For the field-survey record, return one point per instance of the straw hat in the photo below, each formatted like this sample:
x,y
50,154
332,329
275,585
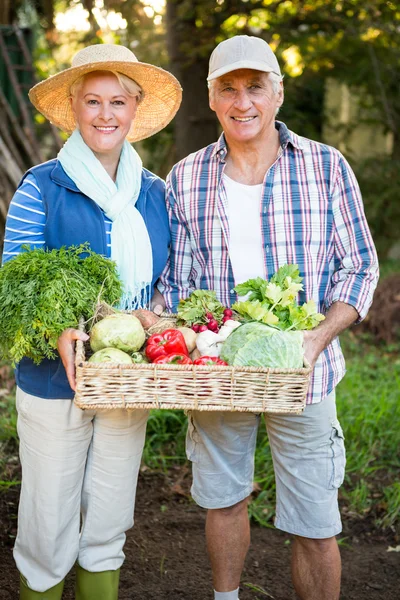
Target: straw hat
x,y
162,92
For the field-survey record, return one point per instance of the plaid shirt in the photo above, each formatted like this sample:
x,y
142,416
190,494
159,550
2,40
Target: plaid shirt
x,y
311,214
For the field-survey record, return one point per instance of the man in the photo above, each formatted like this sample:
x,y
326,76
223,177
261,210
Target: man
x,y
258,198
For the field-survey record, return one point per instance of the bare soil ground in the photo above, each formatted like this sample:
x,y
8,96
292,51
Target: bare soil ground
x,y
166,555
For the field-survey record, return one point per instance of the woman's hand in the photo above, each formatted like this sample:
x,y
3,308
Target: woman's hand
x,y
66,350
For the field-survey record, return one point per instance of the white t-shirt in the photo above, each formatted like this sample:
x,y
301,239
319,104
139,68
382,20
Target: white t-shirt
x,y
245,242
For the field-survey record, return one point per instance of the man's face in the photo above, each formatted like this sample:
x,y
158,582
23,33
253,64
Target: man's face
x,y
245,104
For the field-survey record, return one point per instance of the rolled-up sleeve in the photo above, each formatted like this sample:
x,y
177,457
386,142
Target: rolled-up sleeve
x,y
356,263
176,281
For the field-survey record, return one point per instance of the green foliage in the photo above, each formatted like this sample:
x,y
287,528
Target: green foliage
x,y
8,419
165,439
358,497
391,499
8,441
379,180
274,302
193,310
44,292
368,407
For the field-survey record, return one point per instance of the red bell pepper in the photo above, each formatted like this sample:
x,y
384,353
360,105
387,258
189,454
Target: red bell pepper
x,y
209,360
173,359
170,341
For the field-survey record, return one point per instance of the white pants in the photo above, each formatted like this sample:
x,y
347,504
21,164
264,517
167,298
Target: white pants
x,y
74,463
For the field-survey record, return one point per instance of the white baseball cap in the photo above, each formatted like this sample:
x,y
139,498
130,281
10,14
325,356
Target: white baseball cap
x,y
242,52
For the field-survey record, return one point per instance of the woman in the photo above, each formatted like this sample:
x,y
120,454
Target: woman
x,y
82,464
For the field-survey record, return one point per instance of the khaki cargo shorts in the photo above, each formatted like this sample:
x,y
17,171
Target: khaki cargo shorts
x,y
308,456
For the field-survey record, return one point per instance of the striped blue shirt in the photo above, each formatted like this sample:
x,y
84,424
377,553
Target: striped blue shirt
x,y
26,220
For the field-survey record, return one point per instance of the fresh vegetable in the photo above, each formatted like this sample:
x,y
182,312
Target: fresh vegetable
x,y
258,345
44,292
173,359
110,355
190,337
227,328
120,330
170,341
209,343
209,360
274,302
201,311
195,354
138,358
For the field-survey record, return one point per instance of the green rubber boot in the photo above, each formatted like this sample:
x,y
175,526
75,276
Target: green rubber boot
x,y
54,593
96,586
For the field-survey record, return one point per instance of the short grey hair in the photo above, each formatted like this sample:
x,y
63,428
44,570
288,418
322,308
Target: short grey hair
x,y
130,86
276,80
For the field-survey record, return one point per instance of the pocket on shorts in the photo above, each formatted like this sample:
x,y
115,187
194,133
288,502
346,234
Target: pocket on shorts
x,y
24,402
192,441
338,456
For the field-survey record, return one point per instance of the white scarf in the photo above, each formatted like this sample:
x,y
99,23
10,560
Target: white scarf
x,y
130,242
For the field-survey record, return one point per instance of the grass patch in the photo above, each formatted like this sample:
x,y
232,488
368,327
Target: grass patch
x,y
8,420
8,441
369,410
165,439
391,504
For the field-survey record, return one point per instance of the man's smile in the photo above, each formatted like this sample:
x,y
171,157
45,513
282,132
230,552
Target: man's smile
x,y
243,119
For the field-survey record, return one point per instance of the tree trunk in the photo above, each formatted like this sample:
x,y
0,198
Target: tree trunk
x,y
7,12
195,124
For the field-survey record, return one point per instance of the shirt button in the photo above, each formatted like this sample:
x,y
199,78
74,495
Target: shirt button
x,y
232,291
266,249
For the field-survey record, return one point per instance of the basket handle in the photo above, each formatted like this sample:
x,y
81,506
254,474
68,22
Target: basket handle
x,y
79,347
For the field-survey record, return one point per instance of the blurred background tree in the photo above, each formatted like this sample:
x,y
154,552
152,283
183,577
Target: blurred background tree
x,y
340,58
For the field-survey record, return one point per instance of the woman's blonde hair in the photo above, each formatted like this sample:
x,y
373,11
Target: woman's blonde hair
x,y
129,85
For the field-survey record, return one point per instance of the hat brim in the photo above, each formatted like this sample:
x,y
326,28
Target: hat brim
x,y
242,64
162,96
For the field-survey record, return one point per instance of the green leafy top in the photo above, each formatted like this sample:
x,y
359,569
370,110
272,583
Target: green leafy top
x,y
193,310
274,302
43,292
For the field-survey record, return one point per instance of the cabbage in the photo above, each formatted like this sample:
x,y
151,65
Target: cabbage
x,y
258,345
121,331
111,355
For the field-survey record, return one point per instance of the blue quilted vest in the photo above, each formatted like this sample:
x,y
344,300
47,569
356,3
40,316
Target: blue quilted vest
x,y
72,219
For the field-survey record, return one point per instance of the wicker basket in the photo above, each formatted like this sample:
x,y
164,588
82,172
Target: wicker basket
x,y
189,387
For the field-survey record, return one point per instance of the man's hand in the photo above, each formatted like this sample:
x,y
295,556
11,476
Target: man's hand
x,y
66,350
313,346
157,302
